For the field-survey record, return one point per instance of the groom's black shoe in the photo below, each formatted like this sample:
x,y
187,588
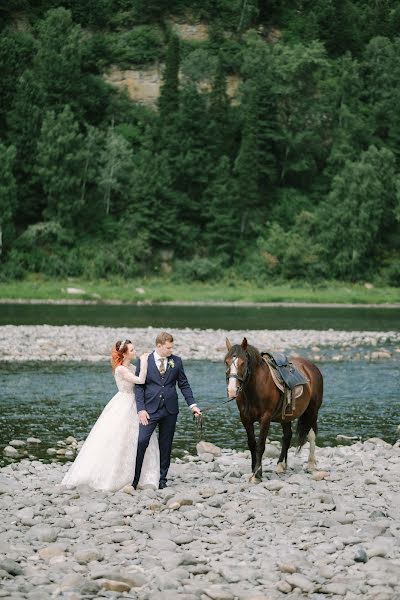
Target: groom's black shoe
x,y
162,485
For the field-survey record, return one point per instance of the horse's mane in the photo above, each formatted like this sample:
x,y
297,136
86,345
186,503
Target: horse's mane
x,y
251,353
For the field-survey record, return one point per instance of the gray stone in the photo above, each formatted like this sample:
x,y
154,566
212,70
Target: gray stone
x,y
133,579
10,451
11,567
284,587
86,555
208,448
217,592
17,443
339,589
52,551
300,581
360,555
43,533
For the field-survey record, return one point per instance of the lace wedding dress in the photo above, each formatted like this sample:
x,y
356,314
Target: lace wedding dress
x,y
107,459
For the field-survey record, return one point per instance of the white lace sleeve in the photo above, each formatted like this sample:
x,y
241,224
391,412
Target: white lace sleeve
x,y
127,374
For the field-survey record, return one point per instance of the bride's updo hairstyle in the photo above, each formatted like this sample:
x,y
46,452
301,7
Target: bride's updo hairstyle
x,y
117,353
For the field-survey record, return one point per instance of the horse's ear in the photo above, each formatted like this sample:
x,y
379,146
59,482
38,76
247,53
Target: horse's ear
x,y
228,344
244,344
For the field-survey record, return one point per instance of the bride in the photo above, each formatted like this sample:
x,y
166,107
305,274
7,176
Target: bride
x,y
107,459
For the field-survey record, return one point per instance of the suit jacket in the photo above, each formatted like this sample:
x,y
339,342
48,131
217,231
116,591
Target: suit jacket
x,y
159,390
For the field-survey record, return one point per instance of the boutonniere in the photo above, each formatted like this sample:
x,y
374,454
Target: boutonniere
x,y
171,363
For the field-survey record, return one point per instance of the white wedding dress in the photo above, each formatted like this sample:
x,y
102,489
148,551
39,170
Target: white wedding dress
x,y
107,459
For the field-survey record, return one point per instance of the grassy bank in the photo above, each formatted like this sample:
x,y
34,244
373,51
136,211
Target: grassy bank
x,y
159,290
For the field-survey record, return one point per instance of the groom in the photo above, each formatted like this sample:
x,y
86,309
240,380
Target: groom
x,y
157,403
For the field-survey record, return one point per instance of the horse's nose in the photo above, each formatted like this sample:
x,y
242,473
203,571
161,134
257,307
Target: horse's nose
x,y
232,391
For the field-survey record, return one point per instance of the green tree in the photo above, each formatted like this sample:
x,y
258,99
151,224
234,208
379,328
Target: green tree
x,y
24,124
381,72
16,52
153,206
188,145
220,114
60,166
248,14
116,167
340,26
58,61
168,101
359,213
350,123
150,10
222,215
7,189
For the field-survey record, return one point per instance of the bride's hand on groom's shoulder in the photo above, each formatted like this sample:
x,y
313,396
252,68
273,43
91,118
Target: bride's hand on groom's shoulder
x,y
144,357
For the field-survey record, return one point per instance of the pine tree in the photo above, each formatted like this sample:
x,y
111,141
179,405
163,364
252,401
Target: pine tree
x,y
168,101
222,214
219,111
7,189
60,166
24,124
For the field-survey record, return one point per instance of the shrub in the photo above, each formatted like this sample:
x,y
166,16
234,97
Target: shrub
x,y
198,269
140,46
392,274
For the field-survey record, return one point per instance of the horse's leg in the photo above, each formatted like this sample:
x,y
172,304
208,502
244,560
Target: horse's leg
x,y
312,465
264,427
251,441
286,439
309,429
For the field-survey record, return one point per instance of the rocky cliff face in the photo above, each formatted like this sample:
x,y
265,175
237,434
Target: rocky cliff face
x,y
143,85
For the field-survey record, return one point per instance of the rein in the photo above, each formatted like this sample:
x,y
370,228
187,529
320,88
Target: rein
x,y
198,420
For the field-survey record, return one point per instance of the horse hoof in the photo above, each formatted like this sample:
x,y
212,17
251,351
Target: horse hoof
x,y
280,468
311,467
254,479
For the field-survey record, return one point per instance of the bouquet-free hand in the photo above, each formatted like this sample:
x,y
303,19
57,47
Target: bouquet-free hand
x,y
143,417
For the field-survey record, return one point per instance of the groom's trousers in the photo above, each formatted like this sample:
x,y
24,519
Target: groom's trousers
x,y
166,428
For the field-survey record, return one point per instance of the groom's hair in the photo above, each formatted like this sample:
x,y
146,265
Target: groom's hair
x,y
163,337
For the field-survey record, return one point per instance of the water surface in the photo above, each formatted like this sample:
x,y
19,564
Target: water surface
x,y
52,401
204,317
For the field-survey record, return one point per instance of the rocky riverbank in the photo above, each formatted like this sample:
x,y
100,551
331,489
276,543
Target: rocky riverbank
x,y
211,534
77,343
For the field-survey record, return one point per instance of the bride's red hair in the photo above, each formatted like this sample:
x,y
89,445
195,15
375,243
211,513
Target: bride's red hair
x,y
117,353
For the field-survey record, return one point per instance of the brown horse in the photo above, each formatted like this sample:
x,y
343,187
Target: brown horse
x,y
250,382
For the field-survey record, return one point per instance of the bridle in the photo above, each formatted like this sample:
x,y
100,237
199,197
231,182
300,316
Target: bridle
x,y
199,419
241,378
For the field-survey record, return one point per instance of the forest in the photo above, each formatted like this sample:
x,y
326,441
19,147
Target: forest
x,y
293,176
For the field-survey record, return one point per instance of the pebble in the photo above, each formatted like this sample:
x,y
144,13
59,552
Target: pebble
x,y
207,536
68,342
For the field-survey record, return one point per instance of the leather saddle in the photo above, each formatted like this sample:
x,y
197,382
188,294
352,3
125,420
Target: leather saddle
x,y
287,371
287,378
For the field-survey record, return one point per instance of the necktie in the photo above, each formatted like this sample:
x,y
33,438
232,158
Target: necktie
x,y
162,367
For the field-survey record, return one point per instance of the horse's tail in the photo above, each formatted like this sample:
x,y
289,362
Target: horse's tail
x,y
308,420
304,425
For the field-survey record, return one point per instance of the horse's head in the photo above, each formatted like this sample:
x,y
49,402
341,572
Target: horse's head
x,y
237,367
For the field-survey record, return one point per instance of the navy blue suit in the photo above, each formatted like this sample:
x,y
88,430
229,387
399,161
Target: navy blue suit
x,y
158,396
